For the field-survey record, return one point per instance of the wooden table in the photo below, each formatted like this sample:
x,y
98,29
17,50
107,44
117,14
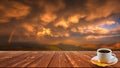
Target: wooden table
x,y
49,58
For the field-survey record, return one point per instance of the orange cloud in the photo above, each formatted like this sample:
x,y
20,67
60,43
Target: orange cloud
x,y
45,31
28,27
93,30
13,9
17,10
62,23
74,30
48,17
50,10
110,22
74,19
95,9
60,35
51,6
101,30
67,35
93,37
106,22
100,36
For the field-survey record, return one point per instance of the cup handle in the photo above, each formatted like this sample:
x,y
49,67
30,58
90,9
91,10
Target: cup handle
x,y
113,55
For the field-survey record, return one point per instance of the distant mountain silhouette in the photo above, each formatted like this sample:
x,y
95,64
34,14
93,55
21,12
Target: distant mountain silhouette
x,y
23,46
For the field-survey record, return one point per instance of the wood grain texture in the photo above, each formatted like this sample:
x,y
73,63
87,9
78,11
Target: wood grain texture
x,y
49,58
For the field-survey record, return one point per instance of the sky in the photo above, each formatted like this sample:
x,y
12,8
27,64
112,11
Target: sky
x,y
75,22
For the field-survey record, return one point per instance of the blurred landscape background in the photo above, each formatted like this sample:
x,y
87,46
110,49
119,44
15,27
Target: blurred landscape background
x,y
47,25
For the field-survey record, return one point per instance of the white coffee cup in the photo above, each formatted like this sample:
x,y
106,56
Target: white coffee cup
x,y
105,55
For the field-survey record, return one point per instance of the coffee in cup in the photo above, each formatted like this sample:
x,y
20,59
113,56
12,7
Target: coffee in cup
x,y
104,51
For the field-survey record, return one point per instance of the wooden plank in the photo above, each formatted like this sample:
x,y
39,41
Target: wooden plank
x,y
29,58
8,54
44,60
74,60
68,62
55,60
18,56
38,57
85,58
60,60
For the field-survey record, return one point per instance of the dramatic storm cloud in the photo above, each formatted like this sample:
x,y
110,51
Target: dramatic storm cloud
x,y
60,21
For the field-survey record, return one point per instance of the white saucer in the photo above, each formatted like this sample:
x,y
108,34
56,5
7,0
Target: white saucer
x,y
94,60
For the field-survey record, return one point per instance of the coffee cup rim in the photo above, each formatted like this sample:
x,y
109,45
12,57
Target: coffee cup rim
x,y
104,49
